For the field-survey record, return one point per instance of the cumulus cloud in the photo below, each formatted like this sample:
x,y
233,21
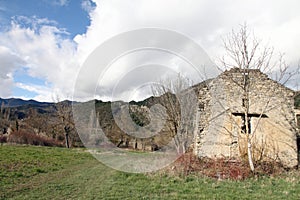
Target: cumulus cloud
x,y
9,62
49,54
45,53
203,21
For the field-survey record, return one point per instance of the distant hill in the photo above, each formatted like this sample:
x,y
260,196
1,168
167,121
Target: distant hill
x,y
13,102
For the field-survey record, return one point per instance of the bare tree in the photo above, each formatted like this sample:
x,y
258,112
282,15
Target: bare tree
x,y
64,113
38,121
245,52
5,114
180,103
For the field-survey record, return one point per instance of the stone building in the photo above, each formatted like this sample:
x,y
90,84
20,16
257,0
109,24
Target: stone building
x,y
221,118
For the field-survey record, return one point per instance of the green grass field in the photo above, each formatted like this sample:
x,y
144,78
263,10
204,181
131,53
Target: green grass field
x,y
28,172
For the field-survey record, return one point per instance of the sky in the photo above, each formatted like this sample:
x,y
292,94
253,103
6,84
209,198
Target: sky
x,y
45,45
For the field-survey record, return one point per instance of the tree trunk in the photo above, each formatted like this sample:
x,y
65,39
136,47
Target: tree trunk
x,y
67,140
17,125
250,155
183,148
67,131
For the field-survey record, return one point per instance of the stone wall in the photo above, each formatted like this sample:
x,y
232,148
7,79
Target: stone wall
x,y
272,122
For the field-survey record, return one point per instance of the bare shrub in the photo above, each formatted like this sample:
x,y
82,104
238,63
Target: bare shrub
x,y
3,139
221,168
22,137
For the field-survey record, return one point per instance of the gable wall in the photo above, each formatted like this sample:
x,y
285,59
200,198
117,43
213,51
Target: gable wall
x,y
274,137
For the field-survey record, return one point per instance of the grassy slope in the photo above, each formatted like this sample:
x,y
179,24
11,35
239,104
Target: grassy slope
x,y
57,173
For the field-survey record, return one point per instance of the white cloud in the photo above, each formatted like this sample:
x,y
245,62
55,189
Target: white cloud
x,y
59,2
203,21
33,20
45,53
45,94
87,5
9,62
55,59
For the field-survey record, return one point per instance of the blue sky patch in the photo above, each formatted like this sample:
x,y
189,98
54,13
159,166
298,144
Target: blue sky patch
x,y
70,15
21,76
19,92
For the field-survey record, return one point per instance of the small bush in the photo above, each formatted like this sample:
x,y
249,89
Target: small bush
x,y
22,137
3,138
221,168
270,168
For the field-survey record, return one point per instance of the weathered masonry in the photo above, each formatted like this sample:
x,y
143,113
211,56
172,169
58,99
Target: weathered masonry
x,y
222,118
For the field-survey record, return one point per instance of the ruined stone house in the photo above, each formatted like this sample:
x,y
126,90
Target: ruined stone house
x,y
221,118
220,121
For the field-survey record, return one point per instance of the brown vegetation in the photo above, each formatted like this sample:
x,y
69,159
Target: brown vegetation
x,y
22,137
221,168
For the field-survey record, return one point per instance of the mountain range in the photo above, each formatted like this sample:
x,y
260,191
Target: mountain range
x,y
15,102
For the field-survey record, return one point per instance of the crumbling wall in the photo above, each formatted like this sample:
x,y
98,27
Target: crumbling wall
x,y
272,123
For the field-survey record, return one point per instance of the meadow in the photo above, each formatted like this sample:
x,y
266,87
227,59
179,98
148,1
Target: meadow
x,y
34,172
